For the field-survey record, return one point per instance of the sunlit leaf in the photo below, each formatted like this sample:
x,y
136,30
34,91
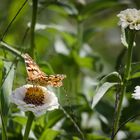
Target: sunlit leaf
x,y
133,126
49,134
20,119
101,91
76,138
96,137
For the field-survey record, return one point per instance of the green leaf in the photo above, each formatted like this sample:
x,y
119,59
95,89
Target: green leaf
x,y
86,62
1,68
96,137
133,126
112,77
97,6
54,117
136,75
76,138
7,83
69,38
101,91
6,89
49,134
20,120
105,84
58,9
135,70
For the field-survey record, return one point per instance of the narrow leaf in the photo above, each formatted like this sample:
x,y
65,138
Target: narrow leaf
x,y
6,89
112,77
101,91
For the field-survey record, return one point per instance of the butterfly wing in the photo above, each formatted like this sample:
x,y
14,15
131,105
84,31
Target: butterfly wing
x,y
32,68
55,80
36,76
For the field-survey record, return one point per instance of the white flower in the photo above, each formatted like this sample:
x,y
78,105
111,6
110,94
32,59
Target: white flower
x,y
36,99
130,18
136,94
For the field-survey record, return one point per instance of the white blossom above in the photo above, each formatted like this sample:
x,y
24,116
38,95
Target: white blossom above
x,y
136,94
130,18
36,99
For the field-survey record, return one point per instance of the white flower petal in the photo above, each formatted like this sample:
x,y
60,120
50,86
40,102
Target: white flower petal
x,y
124,24
136,94
130,18
50,101
137,89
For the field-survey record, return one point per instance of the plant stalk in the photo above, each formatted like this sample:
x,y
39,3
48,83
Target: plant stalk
x,y
125,80
6,46
4,130
33,22
28,125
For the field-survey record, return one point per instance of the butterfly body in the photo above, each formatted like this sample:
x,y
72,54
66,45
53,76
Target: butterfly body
x,y
38,77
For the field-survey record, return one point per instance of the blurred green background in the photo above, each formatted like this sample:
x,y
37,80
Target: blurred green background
x,y
79,38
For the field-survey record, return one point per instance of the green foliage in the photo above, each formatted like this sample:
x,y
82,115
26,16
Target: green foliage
x,y
79,38
101,91
6,89
49,134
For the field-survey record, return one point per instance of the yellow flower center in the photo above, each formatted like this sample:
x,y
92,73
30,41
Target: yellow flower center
x,y
34,95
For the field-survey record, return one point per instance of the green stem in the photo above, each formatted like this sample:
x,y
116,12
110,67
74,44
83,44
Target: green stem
x,y
125,79
4,131
28,125
33,22
5,46
9,25
129,55
3,118
75,124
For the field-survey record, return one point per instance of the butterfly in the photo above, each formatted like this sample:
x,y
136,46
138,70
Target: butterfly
x,y
38,77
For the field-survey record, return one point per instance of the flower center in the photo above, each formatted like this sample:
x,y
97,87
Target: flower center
x,y
34,95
